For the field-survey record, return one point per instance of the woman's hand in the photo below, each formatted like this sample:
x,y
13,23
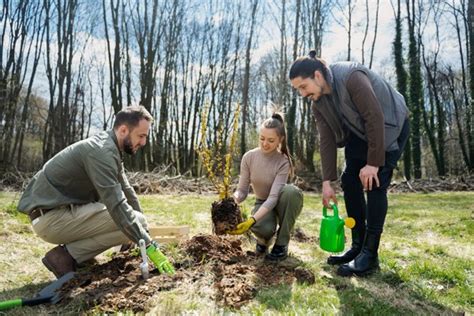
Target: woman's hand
x,y
243,227
236,197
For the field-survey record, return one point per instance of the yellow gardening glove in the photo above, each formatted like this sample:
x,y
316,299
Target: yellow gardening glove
x,y
243,227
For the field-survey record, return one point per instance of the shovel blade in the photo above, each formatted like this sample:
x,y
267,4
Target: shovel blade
x,y
46,295
51,289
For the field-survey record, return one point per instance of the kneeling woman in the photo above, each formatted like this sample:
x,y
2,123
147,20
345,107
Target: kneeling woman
x,y
278,204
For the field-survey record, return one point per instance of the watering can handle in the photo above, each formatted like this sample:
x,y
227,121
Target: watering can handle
x,y
334,208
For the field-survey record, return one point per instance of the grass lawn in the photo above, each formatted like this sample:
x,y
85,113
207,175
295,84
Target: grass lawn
x,y
426,255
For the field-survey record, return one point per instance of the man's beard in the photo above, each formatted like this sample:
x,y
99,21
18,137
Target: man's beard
x,y
127,146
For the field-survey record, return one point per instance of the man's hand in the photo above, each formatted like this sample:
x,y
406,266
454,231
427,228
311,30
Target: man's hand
x,y
243,227
328,194
159,259
367,176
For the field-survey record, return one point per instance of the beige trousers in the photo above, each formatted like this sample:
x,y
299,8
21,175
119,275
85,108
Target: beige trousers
x,y
86,230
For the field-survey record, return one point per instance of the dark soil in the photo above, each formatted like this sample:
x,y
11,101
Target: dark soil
x,y
209,247
117,285
236,276
300,235
304,276
225,215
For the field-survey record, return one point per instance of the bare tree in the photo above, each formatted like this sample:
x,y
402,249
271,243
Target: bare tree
x,y
22,36
291,115
61,18
366,30
402,82
245,89
170,42
463,19
435,119
375,33
346,9
415,88
114,57
149,28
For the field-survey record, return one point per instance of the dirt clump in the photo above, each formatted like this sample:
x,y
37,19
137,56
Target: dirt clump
x,y
300,235
304,276
204,248
225,215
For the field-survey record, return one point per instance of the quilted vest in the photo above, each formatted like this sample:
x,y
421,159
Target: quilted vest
x,y
393,104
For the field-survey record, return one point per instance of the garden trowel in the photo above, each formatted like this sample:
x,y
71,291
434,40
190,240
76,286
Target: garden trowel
x,y
46,295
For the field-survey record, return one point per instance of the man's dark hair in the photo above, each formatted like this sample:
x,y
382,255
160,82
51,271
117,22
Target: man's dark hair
x,y
131,116
305,66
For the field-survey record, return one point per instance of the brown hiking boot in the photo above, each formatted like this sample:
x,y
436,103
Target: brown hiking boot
x,y
59,261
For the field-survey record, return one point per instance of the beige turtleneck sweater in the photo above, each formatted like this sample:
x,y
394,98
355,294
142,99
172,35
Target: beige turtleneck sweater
x,y
267,173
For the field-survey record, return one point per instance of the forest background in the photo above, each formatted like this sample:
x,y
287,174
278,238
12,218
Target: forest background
x,y
67,66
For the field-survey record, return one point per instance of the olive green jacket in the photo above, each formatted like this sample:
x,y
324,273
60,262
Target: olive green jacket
x,y
88,171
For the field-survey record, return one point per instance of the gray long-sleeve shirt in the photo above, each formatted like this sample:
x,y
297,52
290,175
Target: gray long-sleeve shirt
x,y
88,171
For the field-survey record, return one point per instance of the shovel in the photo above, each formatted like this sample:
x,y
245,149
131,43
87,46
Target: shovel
x,y
46,295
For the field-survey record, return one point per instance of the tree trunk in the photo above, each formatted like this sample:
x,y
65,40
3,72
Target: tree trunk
x,y
375,34
291,115
470,105
402,83
416,88
246,83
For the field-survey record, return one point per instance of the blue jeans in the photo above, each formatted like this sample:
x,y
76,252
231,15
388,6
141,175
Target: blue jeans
x,y
369,214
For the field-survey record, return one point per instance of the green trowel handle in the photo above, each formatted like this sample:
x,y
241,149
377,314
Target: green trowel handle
x,y
334,208
22,302
10,304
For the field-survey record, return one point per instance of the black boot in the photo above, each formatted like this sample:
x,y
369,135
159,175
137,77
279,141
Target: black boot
x,y
366,262
357,241
278,253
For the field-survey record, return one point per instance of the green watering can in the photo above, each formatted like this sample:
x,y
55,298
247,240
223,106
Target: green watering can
x,y
331,234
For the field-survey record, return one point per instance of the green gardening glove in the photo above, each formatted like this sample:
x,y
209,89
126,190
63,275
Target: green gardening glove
x,y
159,259
243,227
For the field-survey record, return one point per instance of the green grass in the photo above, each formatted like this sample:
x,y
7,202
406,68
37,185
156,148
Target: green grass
x,y
426,259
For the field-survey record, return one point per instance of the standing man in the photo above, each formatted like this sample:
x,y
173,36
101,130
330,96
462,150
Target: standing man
x,y
357,109
82,199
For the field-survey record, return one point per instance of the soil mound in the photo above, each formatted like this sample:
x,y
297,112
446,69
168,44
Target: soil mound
x,y
204,248
236,276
